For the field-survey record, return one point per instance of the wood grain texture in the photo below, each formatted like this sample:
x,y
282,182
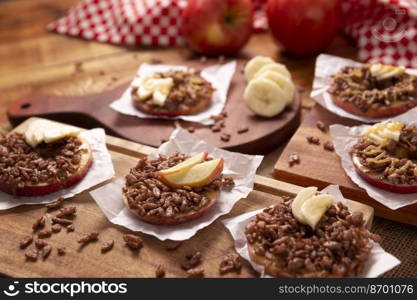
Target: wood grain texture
x,y
214,241
264,135
321,168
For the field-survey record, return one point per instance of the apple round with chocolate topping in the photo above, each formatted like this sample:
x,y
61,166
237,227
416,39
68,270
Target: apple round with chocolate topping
x,y
173,189
376,91
172,93
385,156
338,246
44,169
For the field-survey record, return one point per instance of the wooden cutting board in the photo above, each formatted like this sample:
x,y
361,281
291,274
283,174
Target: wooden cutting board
x,y
214,241
320,167
88,111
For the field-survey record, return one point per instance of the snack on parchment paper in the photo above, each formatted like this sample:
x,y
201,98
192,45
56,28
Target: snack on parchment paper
x,y
374,90
44,159
310,235
173,189
172,93
385,156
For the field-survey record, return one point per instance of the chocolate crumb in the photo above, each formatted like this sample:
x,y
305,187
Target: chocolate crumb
x,y
61,221
328,146
40,244
39,223
195,273
225,137
26,241
160,271
217,118
61,251
294,159
45,233
191,129
56,228
70,228
107,246
242,129
320,125
134,242
193,260
313,140
230,263
88,238
67,212
55,205
46,251
215,128
32,255
228,181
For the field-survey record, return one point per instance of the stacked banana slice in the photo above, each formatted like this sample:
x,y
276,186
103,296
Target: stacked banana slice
x,y
308,207
270,88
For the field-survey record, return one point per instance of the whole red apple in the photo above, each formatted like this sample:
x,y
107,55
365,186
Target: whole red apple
x,y
217,27
303,27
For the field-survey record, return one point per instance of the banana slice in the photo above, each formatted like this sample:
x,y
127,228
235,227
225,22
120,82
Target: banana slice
x,y
299,200
264,97
315,207
48,132
382,72
254,65
275,67
286,84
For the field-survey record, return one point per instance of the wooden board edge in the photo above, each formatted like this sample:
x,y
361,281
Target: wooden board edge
x,y
262,184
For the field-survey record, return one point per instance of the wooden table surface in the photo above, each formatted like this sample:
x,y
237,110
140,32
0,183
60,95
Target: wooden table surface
x,y
34,60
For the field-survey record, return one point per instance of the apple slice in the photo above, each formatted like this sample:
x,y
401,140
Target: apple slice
x,y
197,176
186,164
374,179
381,112
51,187
315,207
299,200
180,217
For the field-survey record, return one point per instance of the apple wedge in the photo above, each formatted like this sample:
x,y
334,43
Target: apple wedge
x,y
185,165
375,179
197,176
51,187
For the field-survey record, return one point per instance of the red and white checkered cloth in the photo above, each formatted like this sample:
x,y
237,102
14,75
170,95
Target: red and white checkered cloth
x,y
133,22
385,30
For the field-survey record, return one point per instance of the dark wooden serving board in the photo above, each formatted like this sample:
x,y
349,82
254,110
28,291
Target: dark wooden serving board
x,y
93,110
213,241
320,167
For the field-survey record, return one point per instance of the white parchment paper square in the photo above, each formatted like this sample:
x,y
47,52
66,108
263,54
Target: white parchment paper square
x,y
101,170
378,263
239,166
219,76
326,66
344,138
